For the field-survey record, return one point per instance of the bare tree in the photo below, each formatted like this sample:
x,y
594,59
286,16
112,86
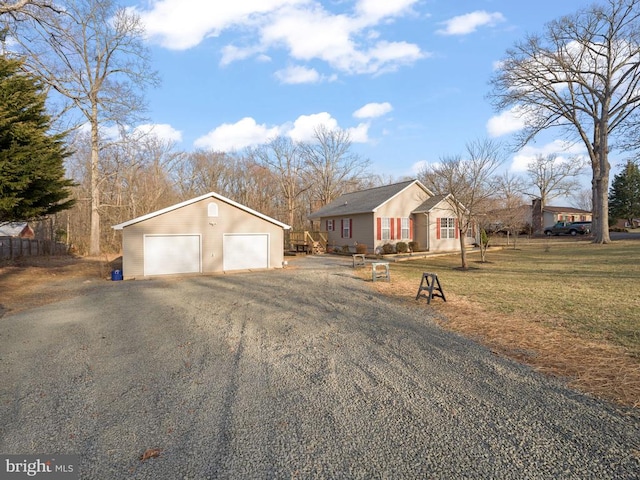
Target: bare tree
x,y
583,76
92,54
332,167
583,199
283,158
467,181
551,177
511,214
138,176
26,7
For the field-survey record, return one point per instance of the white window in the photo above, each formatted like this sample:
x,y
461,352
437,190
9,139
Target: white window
x,y
386,228
404,231
447,228
330,226
212,209
346,228
471,232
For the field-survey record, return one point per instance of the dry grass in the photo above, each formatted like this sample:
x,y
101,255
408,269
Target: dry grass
x,y
30,282
569,309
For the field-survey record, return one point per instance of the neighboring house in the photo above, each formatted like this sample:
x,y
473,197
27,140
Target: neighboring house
x,y
16,230
624,223
206,234
401,212
548,216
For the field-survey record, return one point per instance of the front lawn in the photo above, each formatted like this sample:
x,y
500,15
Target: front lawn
x,y
562,305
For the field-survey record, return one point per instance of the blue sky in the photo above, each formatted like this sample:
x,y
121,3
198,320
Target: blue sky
x,y
407,78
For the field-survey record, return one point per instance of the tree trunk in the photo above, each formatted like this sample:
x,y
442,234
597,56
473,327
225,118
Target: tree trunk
x,y
463,250
94,242
601,187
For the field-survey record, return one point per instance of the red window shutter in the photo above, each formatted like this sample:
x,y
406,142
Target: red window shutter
x,y
341,228
438,228
391,225
379,225
457,229
350,228
411,228
399,229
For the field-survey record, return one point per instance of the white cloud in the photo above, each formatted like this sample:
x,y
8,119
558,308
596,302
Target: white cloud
x,y
378,9
388,56
420,166
231,53
178,27
359,134
506,122
469,23
373,110
161,131
563,150
317,34
305,125
304,28
248,133
244,133
299,74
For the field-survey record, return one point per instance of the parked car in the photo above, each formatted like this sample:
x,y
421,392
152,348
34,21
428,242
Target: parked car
x,y
569,228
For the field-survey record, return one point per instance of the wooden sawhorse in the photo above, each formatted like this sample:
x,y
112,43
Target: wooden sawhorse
x,y
384,273
430,283
358,260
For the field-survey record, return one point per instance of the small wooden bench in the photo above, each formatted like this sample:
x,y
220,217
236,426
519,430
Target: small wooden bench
x,y
383,273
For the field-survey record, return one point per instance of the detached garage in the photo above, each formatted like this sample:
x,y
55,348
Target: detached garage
x,y
207,234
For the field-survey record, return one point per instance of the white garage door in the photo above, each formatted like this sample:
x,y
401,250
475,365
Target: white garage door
x,y
245,251
170,254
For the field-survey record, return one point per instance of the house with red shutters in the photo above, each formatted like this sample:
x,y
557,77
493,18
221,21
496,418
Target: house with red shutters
x,y
401,212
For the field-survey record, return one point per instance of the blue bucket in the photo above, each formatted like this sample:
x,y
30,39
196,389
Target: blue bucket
x,y
116,275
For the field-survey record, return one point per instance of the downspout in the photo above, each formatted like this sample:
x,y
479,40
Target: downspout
x,y
428,245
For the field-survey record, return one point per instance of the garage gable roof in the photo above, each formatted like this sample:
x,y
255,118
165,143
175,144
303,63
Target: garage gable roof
x,y
365,201
120,226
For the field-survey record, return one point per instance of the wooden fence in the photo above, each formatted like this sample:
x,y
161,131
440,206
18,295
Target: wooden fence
x,y
12,247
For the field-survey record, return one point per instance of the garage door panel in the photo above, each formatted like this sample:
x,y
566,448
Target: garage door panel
x,y
171,254
245,251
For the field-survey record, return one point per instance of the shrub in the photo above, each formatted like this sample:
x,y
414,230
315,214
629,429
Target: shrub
x,y
346,249
414,246
361,248
387,248
401,247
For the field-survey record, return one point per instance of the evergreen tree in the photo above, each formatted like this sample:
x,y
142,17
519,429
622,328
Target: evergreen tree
x,y
32,176
624,195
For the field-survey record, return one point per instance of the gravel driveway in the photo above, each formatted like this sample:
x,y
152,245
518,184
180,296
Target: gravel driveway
x,y
296,373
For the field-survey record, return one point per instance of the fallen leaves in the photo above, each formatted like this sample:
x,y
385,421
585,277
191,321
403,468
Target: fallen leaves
x,y
150,453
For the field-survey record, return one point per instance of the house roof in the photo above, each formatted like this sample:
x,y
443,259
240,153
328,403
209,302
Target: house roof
x,y
120,226
12,229
364,201
430,203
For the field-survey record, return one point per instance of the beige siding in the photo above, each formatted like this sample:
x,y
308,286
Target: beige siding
x,y
194,219
361,231
443,244
364,225
401,206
